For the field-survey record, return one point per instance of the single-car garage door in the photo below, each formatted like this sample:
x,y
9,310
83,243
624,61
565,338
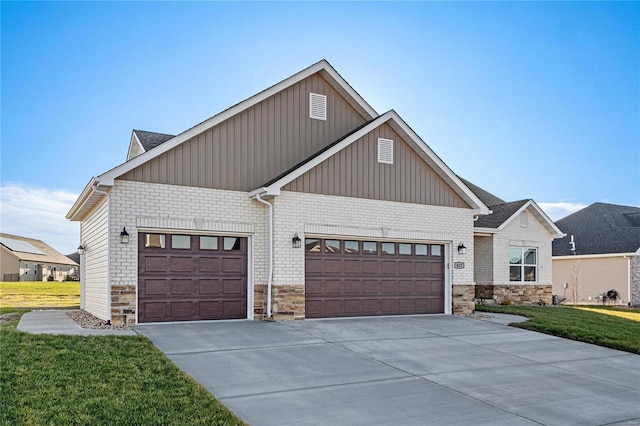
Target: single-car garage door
x,y
191,277
356,278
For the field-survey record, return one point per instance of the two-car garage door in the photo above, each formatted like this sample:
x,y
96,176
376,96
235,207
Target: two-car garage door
x,y
345,278
191,277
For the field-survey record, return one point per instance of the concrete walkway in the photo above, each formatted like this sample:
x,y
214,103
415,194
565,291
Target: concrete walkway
x,y
419,370
58,322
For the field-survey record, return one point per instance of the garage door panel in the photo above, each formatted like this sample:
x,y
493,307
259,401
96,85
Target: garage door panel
x,y
180,287
192,283
154,264
180,264
347,283
353,266
333,266
152,287
208,286
209,264
237,286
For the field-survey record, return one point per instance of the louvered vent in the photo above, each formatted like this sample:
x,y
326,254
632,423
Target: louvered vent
x,y
385,151
524,219
317,106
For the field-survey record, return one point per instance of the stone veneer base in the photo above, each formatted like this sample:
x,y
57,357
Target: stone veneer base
x,y
518,294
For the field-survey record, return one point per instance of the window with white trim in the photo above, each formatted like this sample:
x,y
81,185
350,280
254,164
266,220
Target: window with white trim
x,y
523,264
317,106
385,151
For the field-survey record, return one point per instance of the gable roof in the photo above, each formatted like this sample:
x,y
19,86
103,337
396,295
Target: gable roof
x,y
600,229
502,213
32,250
91,195
273,187
150,140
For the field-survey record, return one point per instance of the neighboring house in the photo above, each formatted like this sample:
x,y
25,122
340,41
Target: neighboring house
x,y
512,251
299,202
28,259
601,252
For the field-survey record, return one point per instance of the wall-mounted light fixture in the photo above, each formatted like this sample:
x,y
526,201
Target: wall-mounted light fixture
x,y
296,242
462,249
80,249
124,236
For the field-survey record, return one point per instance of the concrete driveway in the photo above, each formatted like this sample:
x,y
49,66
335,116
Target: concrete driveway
x,y
418,370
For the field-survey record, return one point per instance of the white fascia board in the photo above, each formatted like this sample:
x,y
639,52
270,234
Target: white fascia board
x,y
546,221
480,207
485,231
109,177
134,141
592,256
82,199
347,88
277,185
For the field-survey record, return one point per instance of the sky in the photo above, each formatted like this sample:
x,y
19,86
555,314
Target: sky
x,y
525,99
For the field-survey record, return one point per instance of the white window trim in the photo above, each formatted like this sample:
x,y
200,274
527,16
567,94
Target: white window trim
x,y
385,151
523,249
316,99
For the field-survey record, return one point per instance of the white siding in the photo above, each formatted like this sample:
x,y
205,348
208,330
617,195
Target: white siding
x,y
94,237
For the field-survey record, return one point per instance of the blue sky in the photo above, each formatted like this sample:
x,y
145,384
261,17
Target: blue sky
x,y
527,100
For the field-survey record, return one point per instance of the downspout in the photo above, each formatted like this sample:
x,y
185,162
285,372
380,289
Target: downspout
x,y
270,278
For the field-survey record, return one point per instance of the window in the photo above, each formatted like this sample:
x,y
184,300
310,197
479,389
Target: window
x,y
385,151
523,264
317,106
180,242
331,246
369,247
421,249
351,247
154,241
388,248
208,243
436,250
312,245
404,248
231,243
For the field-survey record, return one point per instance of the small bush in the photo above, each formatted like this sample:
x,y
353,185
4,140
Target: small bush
x,y
506,302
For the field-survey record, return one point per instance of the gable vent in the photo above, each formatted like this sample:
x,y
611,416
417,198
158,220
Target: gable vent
x,y
317,106
524,219
385,151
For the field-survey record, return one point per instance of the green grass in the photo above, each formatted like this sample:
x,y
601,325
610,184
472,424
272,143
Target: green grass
x,y
115,380
39,294
591,327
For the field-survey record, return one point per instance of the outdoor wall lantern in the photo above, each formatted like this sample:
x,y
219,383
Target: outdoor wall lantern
x,y
80,249
124,236
296,241
462,249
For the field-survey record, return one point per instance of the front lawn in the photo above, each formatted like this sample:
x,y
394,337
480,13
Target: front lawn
x,y
115,380
577,324
39,294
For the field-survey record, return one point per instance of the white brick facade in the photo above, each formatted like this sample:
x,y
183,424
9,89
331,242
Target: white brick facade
x,y
144,206
514,235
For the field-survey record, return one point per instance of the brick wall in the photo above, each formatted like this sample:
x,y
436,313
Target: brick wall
x,y
483,259
635,280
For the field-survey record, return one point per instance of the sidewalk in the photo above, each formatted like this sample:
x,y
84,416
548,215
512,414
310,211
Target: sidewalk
x,y
58,322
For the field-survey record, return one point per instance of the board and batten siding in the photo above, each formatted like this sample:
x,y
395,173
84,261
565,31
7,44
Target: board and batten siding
x,y
94,237
256,145
355,172
595,276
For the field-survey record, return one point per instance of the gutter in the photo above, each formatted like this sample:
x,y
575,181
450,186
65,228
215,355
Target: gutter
x,y
270,278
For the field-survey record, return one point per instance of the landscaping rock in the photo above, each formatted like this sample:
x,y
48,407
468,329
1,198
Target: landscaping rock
x,y
86,320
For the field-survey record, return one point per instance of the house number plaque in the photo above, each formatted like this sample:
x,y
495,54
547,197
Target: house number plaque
x,y
458,265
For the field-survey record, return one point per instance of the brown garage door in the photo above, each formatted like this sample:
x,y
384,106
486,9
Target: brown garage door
x,y
191,277
355,278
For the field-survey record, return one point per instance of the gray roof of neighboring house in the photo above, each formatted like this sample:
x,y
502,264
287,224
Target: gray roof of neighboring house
x,y
150,140
600,229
